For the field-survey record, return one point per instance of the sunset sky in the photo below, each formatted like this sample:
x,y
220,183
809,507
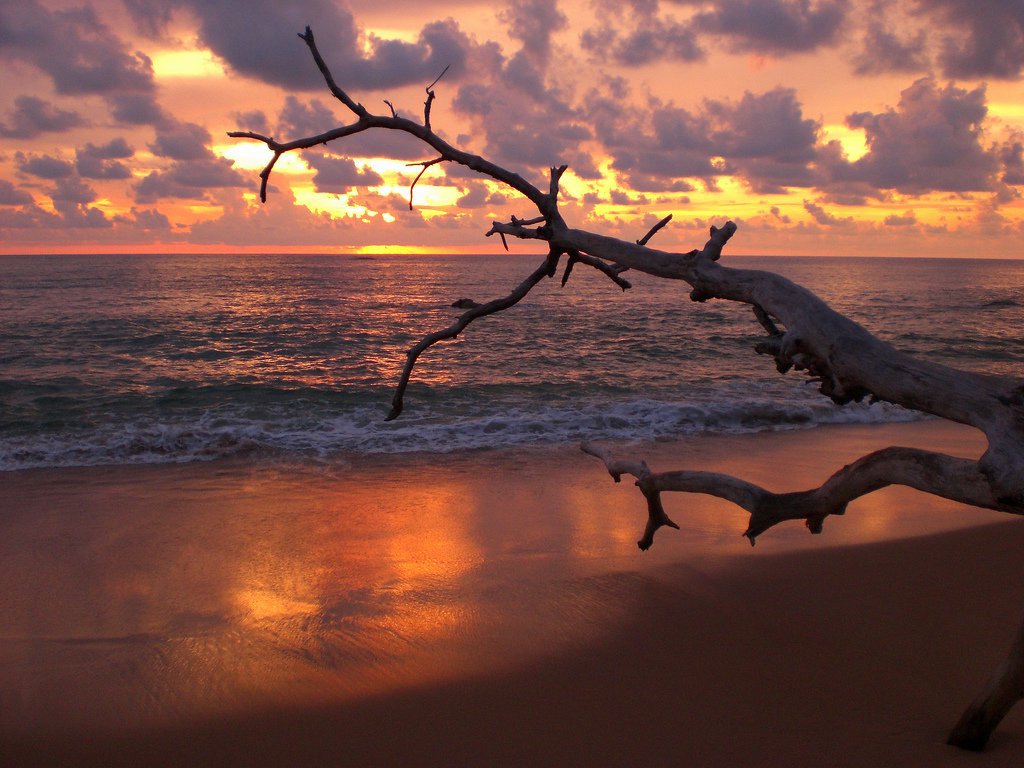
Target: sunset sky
x,y
874,127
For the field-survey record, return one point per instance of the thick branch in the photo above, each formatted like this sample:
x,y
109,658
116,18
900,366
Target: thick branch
x,y
847,361
497,305
934,473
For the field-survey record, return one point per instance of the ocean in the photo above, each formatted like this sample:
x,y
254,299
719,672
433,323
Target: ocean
x,y
153,359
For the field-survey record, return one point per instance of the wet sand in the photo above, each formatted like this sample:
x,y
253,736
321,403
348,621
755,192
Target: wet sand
x,y
492,609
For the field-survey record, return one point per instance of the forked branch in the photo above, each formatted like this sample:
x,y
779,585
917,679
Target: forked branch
x,y
802,333
934,473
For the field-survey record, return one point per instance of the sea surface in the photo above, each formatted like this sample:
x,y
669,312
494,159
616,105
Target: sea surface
x,y
153,359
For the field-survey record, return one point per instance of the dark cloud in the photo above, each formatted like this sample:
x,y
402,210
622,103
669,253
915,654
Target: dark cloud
x,y
338,175
255,120
532,23
44,166
479,196
980,38
115,149
1011,154
305,118
11,195
524,118
82,56
78,51
763,138
823,217
30,217
102,162
634,34
932,141
665,41
136,109
73,190
769,125
884,50
150,16
908,219
147,219
182,141
32,116
773,26
190,180
71,197
257,38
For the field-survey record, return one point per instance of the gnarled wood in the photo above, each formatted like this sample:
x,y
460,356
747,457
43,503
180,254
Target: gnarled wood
x,y
803,333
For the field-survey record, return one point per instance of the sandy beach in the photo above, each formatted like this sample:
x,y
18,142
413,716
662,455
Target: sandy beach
x,y
492,608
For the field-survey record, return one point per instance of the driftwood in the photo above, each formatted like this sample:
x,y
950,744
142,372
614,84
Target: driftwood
x,y
801,333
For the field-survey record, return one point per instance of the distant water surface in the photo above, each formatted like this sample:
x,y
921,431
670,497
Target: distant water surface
x,y
149,359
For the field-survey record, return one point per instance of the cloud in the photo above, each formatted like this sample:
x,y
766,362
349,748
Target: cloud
x,y
44,166
102,162
11,195
524,117
32,117
908,219
81,56
884,50
1011,154
337,175
773,26
532,23
932,141
71,197
633,34
74,47
147,219
256,38
182,141
981,38
136,109
115,149
190,180
478,195
825,218
73,190
763,139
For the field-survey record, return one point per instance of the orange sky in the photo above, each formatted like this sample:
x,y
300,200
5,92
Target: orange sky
x,y
875,127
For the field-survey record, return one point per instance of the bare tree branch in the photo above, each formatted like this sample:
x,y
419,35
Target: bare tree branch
x,y
426,164
803,333
453,330
934,473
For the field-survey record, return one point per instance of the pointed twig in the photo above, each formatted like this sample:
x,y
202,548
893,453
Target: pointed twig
x,y
430,99
654,230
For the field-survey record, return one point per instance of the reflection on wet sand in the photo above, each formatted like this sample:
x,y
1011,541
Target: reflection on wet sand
x,y
145,596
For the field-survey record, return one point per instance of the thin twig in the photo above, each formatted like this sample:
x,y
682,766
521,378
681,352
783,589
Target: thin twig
x,y
496,305
426,164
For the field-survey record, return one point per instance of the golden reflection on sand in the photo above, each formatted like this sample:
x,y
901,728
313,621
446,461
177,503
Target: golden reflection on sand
x,y
135,597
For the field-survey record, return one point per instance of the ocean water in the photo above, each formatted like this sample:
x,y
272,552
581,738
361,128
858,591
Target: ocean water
x,y
150,359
